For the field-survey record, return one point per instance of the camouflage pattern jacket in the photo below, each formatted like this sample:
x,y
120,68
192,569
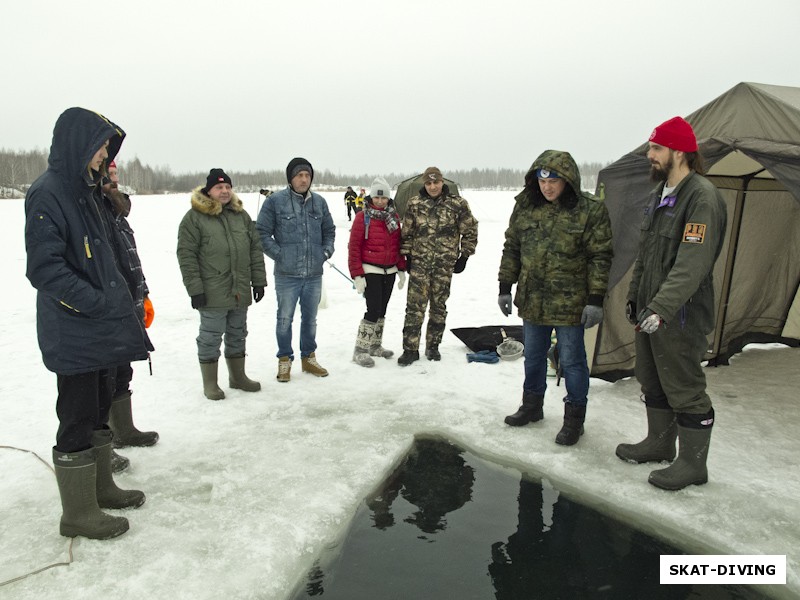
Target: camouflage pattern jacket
x,y
437,230
559,255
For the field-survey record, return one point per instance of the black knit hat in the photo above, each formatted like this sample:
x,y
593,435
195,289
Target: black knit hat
x,y
295,166
216,176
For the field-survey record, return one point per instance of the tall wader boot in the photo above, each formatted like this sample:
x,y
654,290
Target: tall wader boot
x,y
662,430
531,410
236,377
120,420
108,494
572,430
694,437
76,474
377,349
364,341
210,387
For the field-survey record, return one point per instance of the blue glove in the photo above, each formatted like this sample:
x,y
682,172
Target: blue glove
x,y
483,356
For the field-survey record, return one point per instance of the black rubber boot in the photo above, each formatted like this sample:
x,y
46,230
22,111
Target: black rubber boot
x,y
530,411
572,430
236,375
120,420
662,430
432,353
76,474
107,493
118,462
694,436
408,357
210,388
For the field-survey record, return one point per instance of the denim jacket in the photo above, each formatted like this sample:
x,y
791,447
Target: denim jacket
x,y
297,232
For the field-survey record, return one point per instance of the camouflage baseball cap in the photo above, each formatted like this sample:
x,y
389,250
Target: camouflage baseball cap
x,y
432,174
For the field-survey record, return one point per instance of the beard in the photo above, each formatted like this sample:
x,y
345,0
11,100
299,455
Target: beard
x,y
659,173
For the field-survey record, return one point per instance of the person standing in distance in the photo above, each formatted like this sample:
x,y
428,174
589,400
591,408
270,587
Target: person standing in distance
x,y
671,305
349,202
558,251
297,232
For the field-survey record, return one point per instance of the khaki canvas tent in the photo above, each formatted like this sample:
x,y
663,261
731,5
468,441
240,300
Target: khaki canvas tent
x,y
408,188
750,140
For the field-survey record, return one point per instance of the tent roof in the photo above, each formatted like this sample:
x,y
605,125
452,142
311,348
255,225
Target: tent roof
x,y
749,111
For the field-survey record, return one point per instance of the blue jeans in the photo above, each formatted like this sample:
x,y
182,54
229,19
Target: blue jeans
x,y
290,290
571,358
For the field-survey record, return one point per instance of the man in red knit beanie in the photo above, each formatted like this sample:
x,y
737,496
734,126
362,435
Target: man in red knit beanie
x,y
671,305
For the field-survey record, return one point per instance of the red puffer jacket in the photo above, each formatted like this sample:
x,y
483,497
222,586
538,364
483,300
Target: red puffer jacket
x,y
381,248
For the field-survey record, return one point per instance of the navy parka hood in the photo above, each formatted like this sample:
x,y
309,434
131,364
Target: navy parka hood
x,y
77,136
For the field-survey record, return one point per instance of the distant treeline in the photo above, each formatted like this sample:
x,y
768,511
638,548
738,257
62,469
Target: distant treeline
x,y
19,169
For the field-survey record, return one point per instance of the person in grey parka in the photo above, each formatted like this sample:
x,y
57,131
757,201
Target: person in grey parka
x,y
221,259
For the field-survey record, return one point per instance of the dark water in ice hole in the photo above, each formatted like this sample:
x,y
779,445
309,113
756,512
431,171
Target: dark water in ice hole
x,y
448,525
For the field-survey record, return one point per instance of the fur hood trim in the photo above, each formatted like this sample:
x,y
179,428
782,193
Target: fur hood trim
x,y
208,206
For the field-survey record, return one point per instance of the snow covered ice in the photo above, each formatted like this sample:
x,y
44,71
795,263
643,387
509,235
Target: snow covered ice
x,y
242,494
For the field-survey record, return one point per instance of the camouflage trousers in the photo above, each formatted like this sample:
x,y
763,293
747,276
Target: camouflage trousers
x,y
426,288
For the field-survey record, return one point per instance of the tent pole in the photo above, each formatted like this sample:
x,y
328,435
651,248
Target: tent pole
x,y
730,261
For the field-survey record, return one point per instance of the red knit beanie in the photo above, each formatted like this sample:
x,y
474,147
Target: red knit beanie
x,y
676,134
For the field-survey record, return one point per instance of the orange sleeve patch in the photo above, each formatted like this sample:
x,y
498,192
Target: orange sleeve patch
x,y
694,233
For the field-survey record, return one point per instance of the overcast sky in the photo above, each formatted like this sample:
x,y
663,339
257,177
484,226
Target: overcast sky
x,y
375,87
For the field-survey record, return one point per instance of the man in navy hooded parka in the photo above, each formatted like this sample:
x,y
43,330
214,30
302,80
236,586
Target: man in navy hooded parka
x,y
87,321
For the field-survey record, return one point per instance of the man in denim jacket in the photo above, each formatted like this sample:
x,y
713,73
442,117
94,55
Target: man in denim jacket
x,y
297,232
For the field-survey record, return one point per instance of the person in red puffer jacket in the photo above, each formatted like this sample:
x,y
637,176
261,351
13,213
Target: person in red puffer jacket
x,y
374,259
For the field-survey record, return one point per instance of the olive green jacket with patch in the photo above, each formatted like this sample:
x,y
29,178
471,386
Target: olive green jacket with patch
x,y
678,246
219,252
558,255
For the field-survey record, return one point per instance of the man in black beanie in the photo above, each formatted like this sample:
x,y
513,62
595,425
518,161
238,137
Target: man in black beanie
x,y
222,264
297,232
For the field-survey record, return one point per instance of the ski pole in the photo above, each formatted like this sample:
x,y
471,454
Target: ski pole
x,y
342,274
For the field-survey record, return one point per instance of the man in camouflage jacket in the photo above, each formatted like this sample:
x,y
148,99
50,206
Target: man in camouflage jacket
x,y
558,252
439,234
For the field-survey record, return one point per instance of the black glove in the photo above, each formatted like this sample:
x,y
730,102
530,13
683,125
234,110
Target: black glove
x,y
461,264
505,302
198,301
408,264
631,312
258,293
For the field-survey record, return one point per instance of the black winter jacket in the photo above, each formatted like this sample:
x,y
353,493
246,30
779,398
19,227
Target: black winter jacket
x,y
86,318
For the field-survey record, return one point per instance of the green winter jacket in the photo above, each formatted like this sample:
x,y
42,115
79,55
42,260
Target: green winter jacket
x,y
678,247
558,253
437,230
219,252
